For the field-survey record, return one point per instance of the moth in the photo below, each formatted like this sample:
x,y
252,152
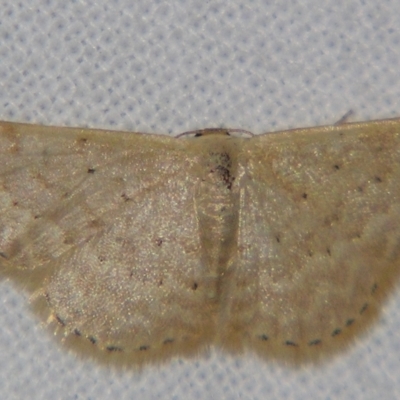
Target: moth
x,y
139,247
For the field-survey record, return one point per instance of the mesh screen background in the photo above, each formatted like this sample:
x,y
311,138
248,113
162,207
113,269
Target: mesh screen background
x,y
173,66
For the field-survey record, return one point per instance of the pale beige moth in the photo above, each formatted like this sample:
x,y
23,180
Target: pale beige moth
x,y
140,247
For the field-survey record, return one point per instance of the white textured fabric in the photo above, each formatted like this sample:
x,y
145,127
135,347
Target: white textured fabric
x,y
169,67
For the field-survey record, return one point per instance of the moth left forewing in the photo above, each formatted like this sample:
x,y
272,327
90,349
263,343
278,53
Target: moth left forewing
x,y
319,236
107,220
